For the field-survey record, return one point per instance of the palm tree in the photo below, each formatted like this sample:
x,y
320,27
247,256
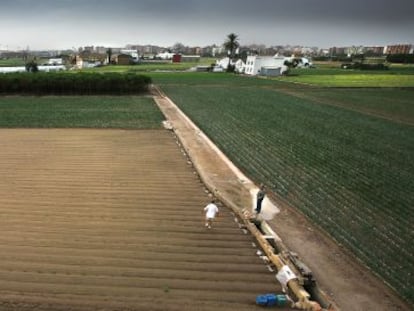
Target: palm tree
x,y
231,44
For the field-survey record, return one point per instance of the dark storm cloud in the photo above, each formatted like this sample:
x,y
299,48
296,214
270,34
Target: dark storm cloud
x,y
319,11
202,22
369,10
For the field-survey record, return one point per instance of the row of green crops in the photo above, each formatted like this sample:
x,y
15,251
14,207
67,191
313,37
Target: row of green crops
x,y
7,62
129,112
351,173
46,83
355,80
397,76
387,103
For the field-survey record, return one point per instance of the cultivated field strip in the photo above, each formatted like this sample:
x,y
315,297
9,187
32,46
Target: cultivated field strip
x,y
112,219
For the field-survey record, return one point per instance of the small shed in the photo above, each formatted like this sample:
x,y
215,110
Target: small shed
x,y
176,58
124,59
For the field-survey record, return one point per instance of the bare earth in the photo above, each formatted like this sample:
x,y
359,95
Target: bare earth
x,y
112,220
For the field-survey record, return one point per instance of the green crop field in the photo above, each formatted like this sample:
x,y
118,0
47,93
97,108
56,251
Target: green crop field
x,y
397,76
6,62
354,80
79,112
344,157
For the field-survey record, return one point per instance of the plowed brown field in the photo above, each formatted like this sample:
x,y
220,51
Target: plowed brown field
x,y
112,220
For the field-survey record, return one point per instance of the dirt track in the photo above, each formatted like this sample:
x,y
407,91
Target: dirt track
x,y
111,219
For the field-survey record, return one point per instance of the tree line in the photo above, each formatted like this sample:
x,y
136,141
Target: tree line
x,y
401,58
50,83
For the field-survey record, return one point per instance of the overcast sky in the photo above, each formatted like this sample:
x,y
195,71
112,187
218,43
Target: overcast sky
x,y
64,24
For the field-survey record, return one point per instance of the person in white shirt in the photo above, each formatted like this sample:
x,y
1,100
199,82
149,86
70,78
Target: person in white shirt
x,y
211,211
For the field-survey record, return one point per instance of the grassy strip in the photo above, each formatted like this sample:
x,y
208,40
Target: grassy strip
x,y
354,80
10,62
397,76
132,112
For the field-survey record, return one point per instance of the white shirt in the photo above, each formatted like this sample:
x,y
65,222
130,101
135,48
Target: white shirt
x,y
211,210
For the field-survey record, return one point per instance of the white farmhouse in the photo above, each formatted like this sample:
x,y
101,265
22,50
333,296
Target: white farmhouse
x,y
223,63
239,66
55,61
265,65
165,55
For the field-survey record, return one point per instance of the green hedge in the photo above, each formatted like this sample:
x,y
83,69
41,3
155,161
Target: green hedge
x,y
401,58
49,83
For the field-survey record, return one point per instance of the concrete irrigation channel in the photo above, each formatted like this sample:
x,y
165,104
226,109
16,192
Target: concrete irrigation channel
x,y
112,220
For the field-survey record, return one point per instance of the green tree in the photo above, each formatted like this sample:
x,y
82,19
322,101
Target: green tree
x,y
178,47
109,53
231,45
32,66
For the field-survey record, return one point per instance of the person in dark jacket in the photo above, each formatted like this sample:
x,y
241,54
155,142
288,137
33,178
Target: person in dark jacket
x,y
260,197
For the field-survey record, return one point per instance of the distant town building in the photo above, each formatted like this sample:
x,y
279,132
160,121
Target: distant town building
x,y
101,49
90,49
399,49
335,51
217,50
374,50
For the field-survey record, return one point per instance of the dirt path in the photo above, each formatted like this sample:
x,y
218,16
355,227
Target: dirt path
x,y
111,220
349,284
